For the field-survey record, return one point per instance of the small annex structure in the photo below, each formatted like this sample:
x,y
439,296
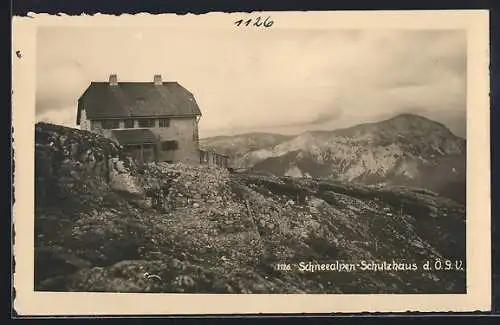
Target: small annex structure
x,y
214,159
154,121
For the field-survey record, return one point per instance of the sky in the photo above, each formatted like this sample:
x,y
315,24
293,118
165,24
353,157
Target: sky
x,y
279,80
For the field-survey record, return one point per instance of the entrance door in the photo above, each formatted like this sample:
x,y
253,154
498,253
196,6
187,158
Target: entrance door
x,y
135,152
148,153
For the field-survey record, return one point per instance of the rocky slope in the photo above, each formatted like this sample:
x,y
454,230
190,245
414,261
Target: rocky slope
x,y
405,150
104,224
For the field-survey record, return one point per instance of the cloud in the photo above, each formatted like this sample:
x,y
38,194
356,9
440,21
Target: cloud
x,y
286,80
63,116
60,87
326,116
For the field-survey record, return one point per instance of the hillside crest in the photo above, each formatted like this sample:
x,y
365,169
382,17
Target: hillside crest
x,y
102,222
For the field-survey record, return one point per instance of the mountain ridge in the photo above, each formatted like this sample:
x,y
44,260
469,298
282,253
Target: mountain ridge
x,y
102,223
404,149
257,133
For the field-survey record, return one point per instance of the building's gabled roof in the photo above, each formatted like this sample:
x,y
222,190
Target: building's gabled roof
x,y
134,136
137,99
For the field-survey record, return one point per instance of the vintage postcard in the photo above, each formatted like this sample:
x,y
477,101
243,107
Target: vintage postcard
x,y
246,163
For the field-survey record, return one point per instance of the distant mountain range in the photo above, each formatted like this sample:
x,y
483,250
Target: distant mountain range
x,y
405,150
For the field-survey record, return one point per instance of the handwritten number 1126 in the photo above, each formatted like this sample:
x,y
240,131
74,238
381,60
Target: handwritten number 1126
x,y
268,22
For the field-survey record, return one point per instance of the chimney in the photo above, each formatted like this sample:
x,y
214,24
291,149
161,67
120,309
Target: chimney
x,y
157,80
113,80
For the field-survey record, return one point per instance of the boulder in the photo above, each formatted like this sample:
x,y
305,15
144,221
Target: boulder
x,y
125,183
120,167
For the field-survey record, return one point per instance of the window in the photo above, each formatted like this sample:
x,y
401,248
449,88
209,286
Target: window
x,y
164,122
169,145
146,123
110,124
129,124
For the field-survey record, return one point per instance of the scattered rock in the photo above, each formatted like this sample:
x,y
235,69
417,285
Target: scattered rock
x,y
203,229
125,183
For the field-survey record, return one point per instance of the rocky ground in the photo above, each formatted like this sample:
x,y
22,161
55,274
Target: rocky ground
x,y
104,224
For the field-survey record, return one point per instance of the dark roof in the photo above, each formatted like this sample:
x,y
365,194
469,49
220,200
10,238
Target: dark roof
x,y
134,136
137,99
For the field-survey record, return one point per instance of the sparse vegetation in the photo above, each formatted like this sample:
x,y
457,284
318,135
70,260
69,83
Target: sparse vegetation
x,y
204,229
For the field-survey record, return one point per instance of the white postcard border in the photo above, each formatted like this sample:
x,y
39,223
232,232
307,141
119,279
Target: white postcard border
x,y
478,298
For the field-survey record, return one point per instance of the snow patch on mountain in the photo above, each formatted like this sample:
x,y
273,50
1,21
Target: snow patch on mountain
x,y
294,171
